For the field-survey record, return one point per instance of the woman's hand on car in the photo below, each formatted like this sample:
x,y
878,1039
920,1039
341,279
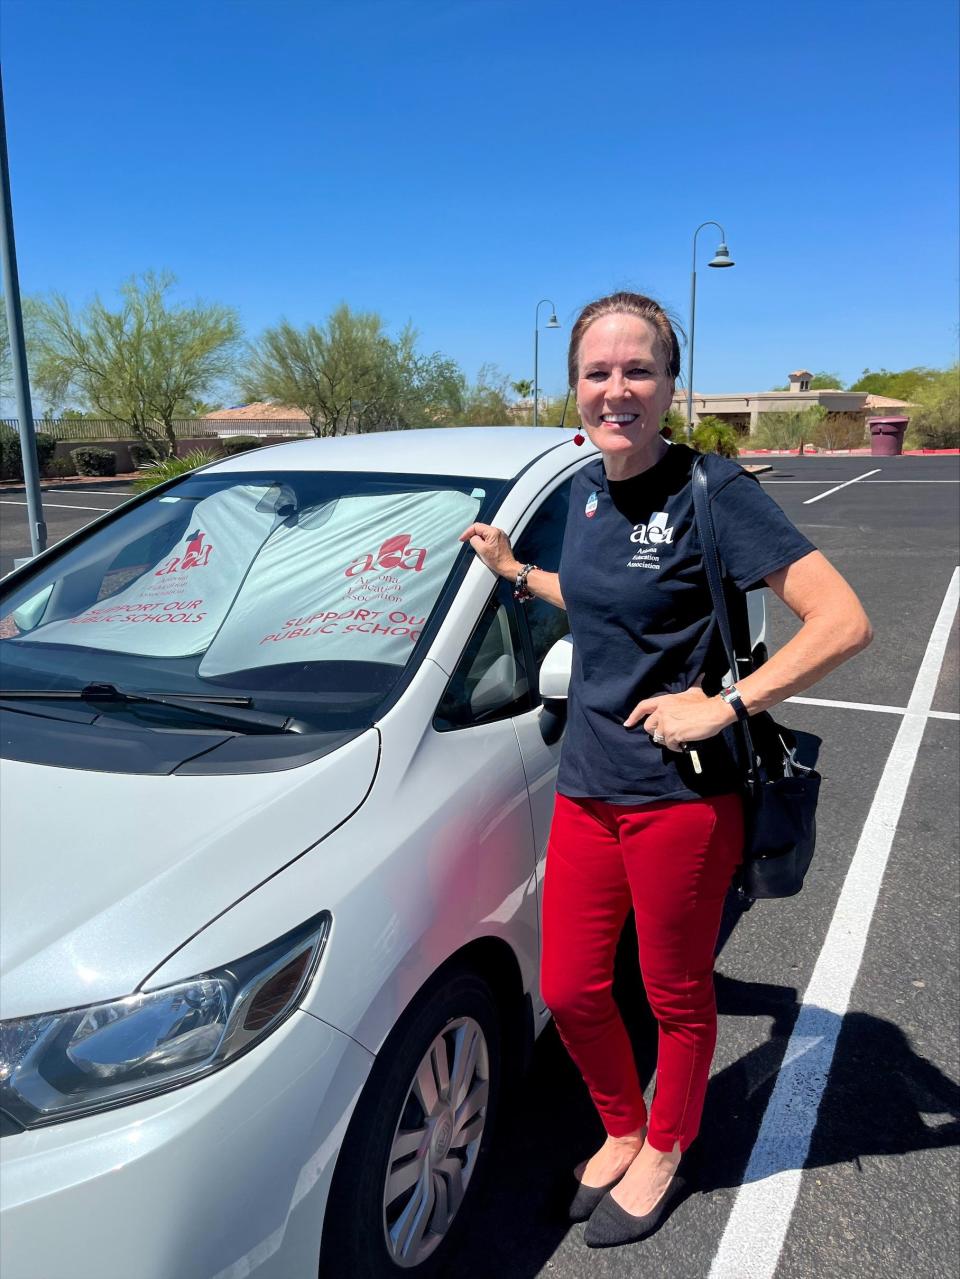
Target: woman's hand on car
x,y
681,718
493,547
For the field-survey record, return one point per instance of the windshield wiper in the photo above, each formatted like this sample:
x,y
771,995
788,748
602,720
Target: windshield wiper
x,y
227,710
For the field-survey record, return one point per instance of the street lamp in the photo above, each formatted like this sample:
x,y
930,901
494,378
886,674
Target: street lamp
x,y
21,379
720,258
552,323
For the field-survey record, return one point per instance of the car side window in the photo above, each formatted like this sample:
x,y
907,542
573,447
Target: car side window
x,y
490,681
540,543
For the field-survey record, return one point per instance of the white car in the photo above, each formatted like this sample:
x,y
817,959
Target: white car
x,y
278,769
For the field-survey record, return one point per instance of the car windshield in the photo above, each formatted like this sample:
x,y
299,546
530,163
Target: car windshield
x,y
306,592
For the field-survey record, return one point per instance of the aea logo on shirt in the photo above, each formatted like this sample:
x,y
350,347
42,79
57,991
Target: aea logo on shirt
x,y
590,509
654,532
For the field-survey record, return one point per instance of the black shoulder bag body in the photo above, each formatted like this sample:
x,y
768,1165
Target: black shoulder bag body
x,y
780,794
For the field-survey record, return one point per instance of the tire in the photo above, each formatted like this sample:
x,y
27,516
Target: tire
x,y
417,1145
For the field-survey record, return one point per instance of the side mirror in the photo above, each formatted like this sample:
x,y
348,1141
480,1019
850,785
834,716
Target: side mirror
x,y
555,670
554,686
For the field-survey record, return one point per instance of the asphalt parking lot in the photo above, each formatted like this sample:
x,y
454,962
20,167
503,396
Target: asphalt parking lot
x,y
832,1126
66,507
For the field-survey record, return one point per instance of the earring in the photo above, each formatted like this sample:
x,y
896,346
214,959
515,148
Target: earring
x,y
578,438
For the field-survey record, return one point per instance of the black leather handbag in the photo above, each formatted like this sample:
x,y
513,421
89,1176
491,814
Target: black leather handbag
x,y
780,793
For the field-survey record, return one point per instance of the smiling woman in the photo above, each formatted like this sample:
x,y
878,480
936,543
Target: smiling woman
x,y
624,361
640,819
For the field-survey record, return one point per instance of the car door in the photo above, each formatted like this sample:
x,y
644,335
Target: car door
x,y
477,754
542,625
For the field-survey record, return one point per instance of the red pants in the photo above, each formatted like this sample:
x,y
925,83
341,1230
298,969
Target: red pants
x,y
673,863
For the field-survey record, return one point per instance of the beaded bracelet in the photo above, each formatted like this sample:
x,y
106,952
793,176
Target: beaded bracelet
x,y
521,591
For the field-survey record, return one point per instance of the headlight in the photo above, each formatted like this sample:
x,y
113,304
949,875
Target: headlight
x,y
62,1065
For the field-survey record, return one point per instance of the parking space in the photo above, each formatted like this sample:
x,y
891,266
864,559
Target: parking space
x,y
66,508
863,1008
877,1192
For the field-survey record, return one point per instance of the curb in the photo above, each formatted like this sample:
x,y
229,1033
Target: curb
x,y
812,452
125,477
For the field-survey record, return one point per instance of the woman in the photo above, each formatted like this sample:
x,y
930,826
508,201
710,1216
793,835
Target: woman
x,y
648,812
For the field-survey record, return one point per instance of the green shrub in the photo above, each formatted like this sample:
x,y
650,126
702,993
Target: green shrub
x,y
62,465
786,429
713,435
11,464
840,431
93,461
239,444
143,455
171,467
937,435
936,419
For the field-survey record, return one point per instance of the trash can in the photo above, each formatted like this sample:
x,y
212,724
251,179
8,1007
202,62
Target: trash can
x,y
886,435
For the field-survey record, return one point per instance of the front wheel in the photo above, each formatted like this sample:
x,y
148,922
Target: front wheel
x,y
418,1141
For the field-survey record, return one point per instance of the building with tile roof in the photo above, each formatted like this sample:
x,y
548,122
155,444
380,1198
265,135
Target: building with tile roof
x,y
742,410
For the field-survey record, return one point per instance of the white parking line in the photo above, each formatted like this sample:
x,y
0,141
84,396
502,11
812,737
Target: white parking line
x,y
57,506
837,487
72,492
870,706
757,1226
764,480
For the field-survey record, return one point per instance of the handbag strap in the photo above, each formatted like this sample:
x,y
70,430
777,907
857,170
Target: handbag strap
x,y
711,564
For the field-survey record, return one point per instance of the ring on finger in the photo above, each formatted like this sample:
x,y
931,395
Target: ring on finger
x,y
658,737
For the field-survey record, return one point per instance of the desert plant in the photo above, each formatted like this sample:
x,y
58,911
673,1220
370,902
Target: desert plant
x,y
11,465
787,429
143,365
713,435
840,431
93,461
936,420
171,467
937,435
142,454
239,444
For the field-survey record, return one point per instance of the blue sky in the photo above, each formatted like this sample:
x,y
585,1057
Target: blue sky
x,y
450,162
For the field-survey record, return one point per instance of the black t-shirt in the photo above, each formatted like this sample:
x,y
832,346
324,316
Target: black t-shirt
x,y
642,621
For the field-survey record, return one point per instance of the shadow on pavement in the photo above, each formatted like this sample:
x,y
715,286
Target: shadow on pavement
x,y
879,1090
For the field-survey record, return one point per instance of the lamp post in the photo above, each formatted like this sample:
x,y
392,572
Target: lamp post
x,y
720,258
21,381
552,323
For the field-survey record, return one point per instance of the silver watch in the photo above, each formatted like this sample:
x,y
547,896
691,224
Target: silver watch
x,y
731,695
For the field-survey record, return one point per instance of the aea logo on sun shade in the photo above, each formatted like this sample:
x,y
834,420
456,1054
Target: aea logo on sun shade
x,y
396,552
196,555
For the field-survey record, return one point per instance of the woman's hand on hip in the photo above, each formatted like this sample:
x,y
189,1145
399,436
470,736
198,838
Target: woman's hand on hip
x,y
681,718
493,547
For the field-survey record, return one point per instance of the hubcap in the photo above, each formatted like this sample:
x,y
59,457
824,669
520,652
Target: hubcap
x,y
436,1142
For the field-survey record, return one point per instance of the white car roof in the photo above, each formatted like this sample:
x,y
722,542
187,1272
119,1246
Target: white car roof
x,y
499,452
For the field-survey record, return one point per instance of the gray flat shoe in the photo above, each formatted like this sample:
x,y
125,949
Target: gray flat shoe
x,y
612,1225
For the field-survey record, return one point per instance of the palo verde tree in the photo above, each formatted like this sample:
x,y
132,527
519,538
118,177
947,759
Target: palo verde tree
x,y
144,365
349,375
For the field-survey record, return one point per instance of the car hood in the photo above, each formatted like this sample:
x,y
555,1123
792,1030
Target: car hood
x,y
105,875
